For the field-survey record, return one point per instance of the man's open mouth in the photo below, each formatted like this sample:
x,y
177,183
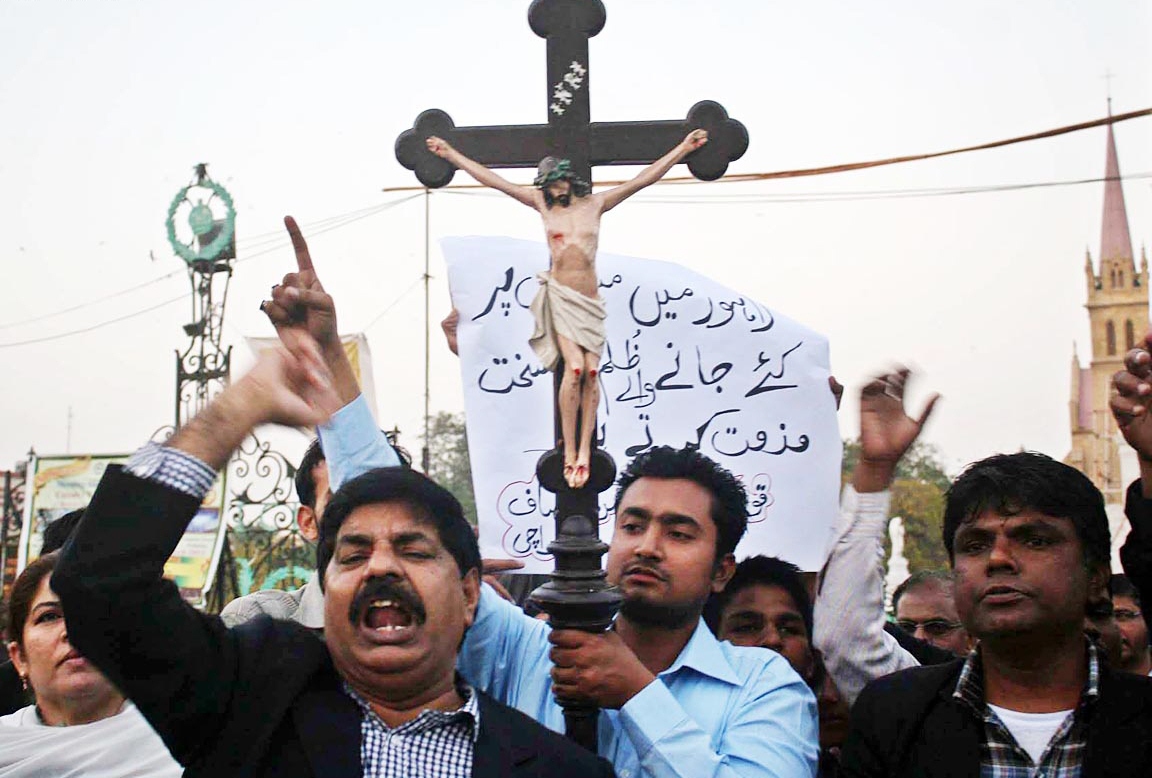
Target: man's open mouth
x,y
387,616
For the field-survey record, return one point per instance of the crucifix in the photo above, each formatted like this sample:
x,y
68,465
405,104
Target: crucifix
x,y
565,150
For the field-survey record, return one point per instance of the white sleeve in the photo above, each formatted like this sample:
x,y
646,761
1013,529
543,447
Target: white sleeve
x,y
849,612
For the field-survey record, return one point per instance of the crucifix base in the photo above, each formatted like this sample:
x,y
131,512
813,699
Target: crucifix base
x,y
578,596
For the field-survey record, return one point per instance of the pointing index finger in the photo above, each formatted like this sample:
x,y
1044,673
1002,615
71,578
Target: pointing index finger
x,y
303,258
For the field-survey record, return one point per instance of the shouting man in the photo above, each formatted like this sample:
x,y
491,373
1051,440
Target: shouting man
x,y
399,571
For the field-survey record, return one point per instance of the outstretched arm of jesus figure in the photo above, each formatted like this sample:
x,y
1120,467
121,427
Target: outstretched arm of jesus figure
x,y
444,150
657,170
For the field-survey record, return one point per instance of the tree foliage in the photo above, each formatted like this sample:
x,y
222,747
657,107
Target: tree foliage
x,y
918,498
448,463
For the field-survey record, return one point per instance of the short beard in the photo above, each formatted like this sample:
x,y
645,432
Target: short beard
x,y
562,200
643,613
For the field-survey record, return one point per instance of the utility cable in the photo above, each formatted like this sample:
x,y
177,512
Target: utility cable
x,y
393,304
329,223
93,301
736,178
721,198
181,298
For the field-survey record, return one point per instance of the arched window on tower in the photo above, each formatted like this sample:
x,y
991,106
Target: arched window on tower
x,y
1129,335
1120,275
1112,275
1110,338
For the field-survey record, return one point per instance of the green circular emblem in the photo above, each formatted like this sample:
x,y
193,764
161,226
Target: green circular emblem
x,y
202,221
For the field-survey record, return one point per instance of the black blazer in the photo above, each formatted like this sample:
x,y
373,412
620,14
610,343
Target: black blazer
x,y
260,699
1136,553
908,724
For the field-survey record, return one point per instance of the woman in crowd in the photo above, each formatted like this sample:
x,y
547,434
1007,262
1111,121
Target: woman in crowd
x,y
80,725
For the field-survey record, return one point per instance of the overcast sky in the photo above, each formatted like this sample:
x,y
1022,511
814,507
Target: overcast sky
x,y
106,107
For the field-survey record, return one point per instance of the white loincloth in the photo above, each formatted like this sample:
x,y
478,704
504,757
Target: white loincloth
x,y
561,310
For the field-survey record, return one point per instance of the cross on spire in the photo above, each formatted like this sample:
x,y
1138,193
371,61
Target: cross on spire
x,y
1108,76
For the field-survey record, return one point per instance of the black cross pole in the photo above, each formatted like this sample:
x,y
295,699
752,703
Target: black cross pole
x,y
577,597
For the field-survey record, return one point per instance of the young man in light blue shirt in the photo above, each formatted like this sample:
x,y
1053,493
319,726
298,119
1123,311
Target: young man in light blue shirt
x,y
676,701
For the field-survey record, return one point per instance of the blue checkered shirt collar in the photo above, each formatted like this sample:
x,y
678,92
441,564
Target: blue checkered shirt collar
x,y
970,685
1000,755
436,744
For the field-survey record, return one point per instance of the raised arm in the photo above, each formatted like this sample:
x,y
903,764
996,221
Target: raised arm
x,y
301,307
178,665
444,150
657,170
849,609
1131,403
300,304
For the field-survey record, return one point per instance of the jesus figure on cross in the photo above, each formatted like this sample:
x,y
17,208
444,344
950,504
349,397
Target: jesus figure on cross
x,y
568,308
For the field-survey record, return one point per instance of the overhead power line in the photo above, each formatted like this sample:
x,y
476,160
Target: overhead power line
x,y
118,319
345,220
880,194
312,228
736,178
249,241
91,302
393,304
720,198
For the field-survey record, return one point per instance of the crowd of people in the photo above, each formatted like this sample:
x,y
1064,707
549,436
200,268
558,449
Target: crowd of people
x,y
404,657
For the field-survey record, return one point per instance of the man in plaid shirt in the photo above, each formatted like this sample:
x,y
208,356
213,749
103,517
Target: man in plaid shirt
x,y
1030,547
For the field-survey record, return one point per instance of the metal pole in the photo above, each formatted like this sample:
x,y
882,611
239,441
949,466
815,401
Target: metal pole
x,y
427,455
578,595
8,507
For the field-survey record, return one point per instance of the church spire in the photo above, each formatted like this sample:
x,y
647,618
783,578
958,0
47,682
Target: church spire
x,y
1115,240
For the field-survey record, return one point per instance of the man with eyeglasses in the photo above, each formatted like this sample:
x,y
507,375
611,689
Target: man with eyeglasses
x,y
925,609
1135,654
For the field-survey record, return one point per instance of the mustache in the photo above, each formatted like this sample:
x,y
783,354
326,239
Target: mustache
x,y
386,588
642,568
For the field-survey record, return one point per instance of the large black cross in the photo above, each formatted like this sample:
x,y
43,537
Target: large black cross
x,y
577,596
570,133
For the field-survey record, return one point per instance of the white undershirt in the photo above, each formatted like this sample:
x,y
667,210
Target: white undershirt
x,y
1032,731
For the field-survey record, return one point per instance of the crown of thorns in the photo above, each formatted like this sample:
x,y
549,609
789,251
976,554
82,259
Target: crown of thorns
x,y
552,170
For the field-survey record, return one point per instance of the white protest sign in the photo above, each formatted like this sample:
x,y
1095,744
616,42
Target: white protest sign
x,y
687,362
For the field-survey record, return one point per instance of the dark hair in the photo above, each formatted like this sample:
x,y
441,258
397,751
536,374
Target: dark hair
x,y
916,580
1011,483
314,455
305,481
762,571
1122,586
729,500
57,531
430,501
550,170
24,592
